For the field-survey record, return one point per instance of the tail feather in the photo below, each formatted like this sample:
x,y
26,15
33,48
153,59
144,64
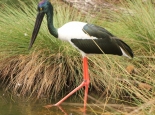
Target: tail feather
x,y
126,50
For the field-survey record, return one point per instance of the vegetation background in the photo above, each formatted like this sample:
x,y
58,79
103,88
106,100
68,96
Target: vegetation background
x,y
53,68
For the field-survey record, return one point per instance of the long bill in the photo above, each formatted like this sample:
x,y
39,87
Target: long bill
x,y
38,22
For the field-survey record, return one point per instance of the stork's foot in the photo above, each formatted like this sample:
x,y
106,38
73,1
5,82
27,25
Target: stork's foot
x,y
51,105
83,110
48,106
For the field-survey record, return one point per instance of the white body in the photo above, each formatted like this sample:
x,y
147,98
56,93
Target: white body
x,y
74,30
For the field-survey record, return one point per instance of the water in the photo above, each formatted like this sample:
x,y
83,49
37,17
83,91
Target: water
x,y
16,105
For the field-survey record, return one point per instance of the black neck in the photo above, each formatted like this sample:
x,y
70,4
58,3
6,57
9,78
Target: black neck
x,y
51,27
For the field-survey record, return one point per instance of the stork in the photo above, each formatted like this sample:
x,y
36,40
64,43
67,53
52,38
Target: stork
x,y
85,37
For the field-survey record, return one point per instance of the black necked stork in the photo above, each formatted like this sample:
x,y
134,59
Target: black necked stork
x,y
87,38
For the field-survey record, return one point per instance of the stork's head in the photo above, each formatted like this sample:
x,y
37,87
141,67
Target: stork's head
x,y
43,7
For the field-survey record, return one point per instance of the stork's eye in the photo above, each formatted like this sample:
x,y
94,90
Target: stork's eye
x,y
40,9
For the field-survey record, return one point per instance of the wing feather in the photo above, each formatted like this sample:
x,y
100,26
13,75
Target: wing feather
x,y
105,42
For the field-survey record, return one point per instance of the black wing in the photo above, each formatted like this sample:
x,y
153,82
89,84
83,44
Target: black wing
x,y
105,42
96,31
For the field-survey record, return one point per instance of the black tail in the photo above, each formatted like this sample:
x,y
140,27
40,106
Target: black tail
x,y
127,50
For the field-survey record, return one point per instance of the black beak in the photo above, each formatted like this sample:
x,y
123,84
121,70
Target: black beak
x,y
38,22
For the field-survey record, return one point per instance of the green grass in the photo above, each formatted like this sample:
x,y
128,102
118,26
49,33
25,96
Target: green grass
x,y
139,21
52,62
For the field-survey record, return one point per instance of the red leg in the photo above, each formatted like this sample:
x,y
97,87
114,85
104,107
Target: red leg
x,y
84,83
86,80
76,89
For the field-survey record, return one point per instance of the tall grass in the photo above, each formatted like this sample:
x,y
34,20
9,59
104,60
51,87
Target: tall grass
x,y
139,20
136,25
53,68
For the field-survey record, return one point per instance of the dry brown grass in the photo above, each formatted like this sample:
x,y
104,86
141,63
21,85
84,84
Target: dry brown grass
x,y
37,74
41,73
